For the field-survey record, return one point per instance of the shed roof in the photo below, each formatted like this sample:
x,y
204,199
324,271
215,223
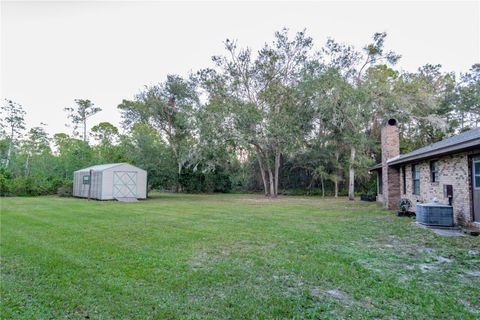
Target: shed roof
x,y
101,167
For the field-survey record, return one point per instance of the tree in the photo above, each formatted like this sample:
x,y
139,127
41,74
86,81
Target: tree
x,y
357,114
107,136
13,117
144,147
468,97
332,97
105,133
79,115
168,108
37,142
349,99
72,153
262,99
424,101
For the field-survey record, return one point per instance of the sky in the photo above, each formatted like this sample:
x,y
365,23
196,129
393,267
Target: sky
x,y
55,52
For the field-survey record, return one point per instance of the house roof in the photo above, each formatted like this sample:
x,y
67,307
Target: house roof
x,y
465,141
101,167
462,142
376,167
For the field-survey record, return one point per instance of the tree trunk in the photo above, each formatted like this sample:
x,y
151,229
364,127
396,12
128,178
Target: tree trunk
x,y
9,153
177,159
10,146
351,175
27,165
337,173
323,187
277,167
336,186
273,193
179,173
85,130
262,169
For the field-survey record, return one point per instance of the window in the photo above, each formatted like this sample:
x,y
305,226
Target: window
x,y
380,182
86,179
404,180
434,171
476,174
416,179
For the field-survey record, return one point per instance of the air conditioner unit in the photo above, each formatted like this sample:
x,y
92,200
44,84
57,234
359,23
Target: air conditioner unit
x,y
435,214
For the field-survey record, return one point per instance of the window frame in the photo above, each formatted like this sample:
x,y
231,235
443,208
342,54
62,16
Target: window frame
x,y
434,174
380,181
475,175
415,180
86,179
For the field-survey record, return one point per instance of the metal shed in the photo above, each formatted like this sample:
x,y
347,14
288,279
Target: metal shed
x,y
110,181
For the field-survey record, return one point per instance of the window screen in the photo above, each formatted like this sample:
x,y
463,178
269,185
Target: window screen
x,y
476,174
380,182
416,179
434,171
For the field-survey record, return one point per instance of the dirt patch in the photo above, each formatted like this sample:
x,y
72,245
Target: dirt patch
x,y
469,306
316,292
332,293
473,273
428,267
204,258
337,294
444,260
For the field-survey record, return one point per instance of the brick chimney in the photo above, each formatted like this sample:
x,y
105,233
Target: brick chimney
x,y
390,140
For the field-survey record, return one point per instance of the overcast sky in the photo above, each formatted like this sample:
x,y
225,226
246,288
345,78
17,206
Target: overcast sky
x,y
53,53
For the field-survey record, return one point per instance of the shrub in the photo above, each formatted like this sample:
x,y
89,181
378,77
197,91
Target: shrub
x,y
5,182
195,181
65,190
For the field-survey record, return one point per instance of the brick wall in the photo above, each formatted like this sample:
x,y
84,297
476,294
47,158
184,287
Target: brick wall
x,y
453,170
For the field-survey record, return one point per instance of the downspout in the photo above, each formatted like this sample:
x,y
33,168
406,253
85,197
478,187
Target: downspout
x,y
89,183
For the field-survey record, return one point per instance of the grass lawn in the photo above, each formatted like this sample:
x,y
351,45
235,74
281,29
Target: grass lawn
x,y
229,256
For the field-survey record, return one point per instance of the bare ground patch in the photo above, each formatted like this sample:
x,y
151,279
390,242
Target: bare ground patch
x,y
205,257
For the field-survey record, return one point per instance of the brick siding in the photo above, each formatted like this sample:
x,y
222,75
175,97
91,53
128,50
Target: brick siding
x,y
452,170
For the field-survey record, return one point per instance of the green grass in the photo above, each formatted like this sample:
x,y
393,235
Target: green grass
x,y
229,256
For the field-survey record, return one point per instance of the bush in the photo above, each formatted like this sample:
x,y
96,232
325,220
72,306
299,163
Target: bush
x,y
30,185
5,182
65,190
195,181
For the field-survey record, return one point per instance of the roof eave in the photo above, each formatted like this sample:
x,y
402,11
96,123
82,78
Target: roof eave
x,y
454,149
376,167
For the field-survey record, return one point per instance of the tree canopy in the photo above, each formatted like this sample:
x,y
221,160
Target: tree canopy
x,y
288,118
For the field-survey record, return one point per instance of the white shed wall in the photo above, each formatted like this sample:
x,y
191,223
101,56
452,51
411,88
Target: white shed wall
x,y
102,182
107,186
82,190
108,177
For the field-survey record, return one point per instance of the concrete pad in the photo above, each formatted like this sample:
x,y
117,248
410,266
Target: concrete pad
x,y
443,231
449,232
127,199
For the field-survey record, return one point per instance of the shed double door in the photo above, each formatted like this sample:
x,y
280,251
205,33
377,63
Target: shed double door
x,y
476,188
124,184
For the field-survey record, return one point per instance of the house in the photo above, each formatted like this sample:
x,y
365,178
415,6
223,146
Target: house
x,y
110,181
447,171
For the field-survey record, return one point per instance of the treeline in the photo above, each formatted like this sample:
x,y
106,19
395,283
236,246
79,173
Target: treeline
x,y
289,118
